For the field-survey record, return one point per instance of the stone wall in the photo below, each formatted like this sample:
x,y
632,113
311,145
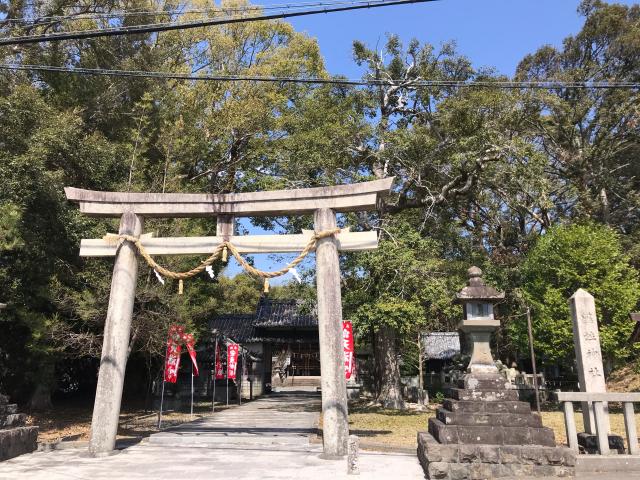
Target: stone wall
x,y
15,438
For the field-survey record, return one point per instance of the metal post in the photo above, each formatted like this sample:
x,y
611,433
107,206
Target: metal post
x,y
241,378
533,360
192,390
420,367
215,363
164,371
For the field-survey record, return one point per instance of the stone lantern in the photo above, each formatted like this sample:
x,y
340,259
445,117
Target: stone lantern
x,y
482,429
479,324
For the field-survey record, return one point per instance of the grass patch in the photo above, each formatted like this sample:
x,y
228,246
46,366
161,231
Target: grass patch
x,y
394,428
72,421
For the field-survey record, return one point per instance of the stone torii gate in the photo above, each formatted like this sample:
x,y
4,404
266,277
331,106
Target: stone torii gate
x,y
132,208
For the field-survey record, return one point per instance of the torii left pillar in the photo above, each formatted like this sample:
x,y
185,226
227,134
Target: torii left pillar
x,y
117,331
335,416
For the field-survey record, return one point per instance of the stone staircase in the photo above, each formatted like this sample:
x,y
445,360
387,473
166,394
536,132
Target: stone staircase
x,y
301,381
15,438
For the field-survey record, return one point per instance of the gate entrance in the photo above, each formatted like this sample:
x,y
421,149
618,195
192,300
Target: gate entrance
x,y
326,240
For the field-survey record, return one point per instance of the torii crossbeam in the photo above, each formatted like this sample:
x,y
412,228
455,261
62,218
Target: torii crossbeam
x,y
323,202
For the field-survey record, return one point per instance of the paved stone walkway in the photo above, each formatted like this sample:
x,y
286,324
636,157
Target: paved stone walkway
x,y
268,438
280,421
264,439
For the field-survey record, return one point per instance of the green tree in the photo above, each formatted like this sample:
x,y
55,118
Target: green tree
x,y
590,137
403,287
566,258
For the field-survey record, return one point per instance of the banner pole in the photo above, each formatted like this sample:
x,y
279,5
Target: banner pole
x,y
240,383
164,372
227,374
215,374
191,390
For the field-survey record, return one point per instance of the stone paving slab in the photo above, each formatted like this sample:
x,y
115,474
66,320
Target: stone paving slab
x,y
264,439
282,421
164,463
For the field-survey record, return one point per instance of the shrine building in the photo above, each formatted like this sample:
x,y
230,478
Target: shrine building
x,y
280,341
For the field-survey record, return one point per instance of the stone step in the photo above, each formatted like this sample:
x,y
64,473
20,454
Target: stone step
x,y
497,419
301,381
17,441
13,420
234,440
492,435
505,454
484,395
486,407
455,462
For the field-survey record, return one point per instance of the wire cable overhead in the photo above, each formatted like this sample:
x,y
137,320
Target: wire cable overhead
x,y
185,11
164,27
499,84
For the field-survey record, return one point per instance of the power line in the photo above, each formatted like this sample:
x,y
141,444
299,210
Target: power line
x,y
499,84
160,13
164,27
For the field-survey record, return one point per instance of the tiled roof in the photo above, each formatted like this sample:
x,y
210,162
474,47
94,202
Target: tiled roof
x,y
267,324
238,327
441,345
285,313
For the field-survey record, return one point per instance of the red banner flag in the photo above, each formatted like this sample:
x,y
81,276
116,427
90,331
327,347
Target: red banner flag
x,y
192,353
232,360
172,362
349,349
219,373
174,349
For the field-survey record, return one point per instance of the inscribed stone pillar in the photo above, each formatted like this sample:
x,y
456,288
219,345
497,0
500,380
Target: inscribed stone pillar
x,y
334,389
117,330
588,356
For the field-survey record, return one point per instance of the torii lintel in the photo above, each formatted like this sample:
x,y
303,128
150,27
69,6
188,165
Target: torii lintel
x,y
340,198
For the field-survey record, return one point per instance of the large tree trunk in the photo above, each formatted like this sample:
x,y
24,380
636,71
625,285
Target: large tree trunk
x,y
41,397
388,368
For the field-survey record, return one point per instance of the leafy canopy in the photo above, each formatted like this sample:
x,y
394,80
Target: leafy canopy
x,y
587,256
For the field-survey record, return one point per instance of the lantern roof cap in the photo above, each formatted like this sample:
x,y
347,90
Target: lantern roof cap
x,y
477,290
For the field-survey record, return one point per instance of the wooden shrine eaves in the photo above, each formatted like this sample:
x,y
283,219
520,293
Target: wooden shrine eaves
x,y
341,198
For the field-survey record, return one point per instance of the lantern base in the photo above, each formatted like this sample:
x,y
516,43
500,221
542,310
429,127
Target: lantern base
x,y
483,430
485,380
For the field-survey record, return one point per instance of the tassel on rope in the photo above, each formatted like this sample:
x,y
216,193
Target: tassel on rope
x,y
158,276
266,285
180,287
224,254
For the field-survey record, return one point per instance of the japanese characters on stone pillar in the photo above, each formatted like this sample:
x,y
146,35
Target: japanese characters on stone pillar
x,y
588,355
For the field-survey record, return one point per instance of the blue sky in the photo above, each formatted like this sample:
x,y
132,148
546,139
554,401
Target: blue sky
x,y
495,33
491,33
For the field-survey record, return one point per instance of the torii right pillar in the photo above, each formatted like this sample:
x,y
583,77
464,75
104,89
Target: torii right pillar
x,y
335,424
